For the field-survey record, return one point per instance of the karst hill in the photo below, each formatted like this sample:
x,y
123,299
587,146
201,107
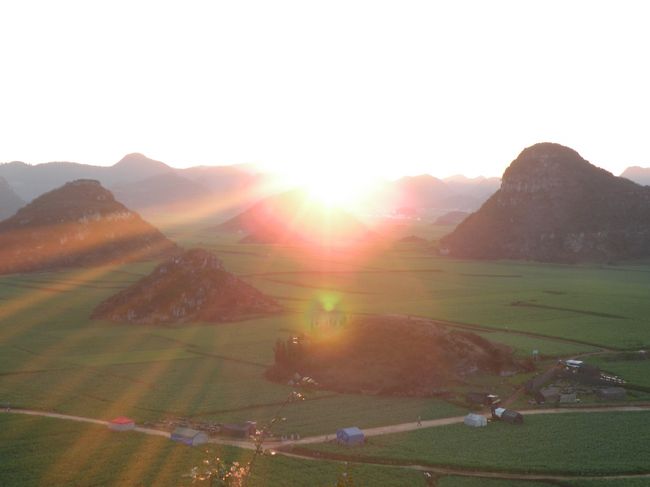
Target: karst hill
x,y
554,206
192,286
391,355
78,224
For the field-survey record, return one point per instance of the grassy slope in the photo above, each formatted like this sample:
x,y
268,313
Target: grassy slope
x,y
555,443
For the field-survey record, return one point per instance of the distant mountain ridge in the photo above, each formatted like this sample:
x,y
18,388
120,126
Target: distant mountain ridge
x,y
426,192
638,174
10,202
479,187
137,178
149,186
153,187
292,218
162,192
555,206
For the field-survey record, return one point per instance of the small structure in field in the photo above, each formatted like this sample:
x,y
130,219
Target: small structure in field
x,y
581,371
189,436
569,398
507,416
548,395
611,393
482,398
475,420
239,430
121,423
350,436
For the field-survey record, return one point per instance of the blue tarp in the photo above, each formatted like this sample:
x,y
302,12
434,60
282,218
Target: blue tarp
x,y
188,436
350,436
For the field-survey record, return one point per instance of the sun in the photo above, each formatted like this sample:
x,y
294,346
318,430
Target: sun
x,y
332,191
329,188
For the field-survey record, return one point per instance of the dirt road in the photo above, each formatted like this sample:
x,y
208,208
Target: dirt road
x,y
284,448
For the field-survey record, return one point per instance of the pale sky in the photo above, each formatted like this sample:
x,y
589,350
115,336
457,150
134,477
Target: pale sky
x,y
394,88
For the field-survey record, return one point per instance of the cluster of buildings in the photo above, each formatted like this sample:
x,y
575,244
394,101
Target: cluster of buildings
x,y
191,436
564,383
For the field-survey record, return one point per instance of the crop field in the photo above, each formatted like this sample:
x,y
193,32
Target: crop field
x,y
86,455
53,357
451,481
91,455
635,371
623,482
547,347
544,443
591,304
594,306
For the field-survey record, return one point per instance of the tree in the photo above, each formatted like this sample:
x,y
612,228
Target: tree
x,y
217,472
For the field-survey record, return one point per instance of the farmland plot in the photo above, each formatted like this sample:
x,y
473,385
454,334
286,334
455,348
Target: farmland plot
x,y
544,444
43,451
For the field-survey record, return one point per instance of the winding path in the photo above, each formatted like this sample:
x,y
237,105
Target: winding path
x,y
284,447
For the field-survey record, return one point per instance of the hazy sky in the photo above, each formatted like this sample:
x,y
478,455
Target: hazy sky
x,y
396,87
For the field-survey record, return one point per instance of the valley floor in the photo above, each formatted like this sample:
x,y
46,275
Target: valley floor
x,y
53,358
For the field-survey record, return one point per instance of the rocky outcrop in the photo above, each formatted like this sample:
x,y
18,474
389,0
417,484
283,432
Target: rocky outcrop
x,y
554,206
192,286
79,224
391,355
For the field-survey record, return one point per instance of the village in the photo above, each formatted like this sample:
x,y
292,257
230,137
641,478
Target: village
x,y
565,384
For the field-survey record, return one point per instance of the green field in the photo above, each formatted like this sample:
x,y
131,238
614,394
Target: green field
x,y
90,455
211,372
575,444
473,482
634,371
42,451
53,357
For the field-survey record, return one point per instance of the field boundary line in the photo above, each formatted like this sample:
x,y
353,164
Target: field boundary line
x,y
487,328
